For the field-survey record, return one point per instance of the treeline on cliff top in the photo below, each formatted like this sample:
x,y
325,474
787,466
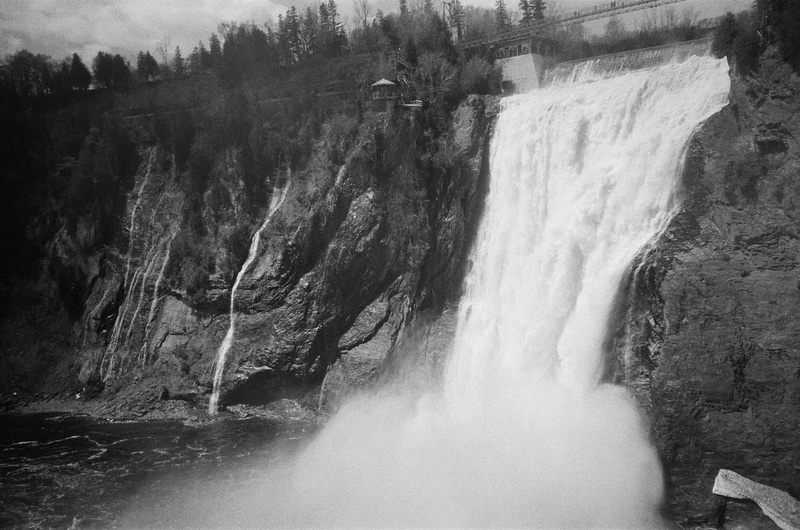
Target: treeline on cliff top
x,y
240,122
70,157
744,36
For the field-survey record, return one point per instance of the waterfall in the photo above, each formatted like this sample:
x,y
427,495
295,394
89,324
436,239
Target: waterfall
x,y
278,196
145,351
524,432
583,176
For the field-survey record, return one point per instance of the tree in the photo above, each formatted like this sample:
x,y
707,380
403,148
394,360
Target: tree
x,y
141,66
292,38
29,74
120,71
215,50
363,9
153,70
527,14
615,28
537,10
103,69
779,22
178,64
162,49
403,8
501,16
79,76
480,77
435,76
724,36
309,33
736,40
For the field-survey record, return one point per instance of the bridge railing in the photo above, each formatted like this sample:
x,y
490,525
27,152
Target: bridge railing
x,y
594,12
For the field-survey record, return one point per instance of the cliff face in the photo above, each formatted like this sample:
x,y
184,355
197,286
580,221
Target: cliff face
x,y
713,348
374,229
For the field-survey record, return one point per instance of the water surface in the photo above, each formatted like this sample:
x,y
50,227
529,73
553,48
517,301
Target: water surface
x,y
58,471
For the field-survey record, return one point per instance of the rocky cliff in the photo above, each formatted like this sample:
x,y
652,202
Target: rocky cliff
x,y
375,228
713,335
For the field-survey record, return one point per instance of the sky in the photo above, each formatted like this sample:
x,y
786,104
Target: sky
x,y
60,27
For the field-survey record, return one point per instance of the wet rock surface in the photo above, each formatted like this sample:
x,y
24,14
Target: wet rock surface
x,y
714,348
332,282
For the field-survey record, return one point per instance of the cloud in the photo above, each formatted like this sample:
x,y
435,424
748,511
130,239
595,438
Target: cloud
x,y
60,27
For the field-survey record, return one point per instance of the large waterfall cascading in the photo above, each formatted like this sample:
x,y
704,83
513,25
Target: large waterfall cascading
x,y
583,175
524,433
278,196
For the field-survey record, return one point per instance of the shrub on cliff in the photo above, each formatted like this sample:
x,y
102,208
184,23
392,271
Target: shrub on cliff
x,y
102,172
779,22
736,39
478,76
191,262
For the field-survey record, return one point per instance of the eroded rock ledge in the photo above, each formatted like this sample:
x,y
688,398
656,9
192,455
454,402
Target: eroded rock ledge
x,y
714,349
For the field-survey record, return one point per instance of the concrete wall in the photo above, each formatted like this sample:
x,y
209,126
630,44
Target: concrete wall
x,y
524,72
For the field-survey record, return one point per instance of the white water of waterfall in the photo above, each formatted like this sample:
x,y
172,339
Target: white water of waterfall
x,y
582,178
145,352
278,196
524,433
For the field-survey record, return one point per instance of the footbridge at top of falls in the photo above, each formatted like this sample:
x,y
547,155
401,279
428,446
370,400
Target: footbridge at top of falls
x,y
534,35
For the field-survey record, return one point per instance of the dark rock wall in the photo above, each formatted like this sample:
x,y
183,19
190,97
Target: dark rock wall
x,y
713,349
357,249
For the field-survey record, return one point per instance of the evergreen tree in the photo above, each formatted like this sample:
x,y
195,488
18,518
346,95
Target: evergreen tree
x,y
120,71
291,25
141,66
193,63
324,28
338,37
215,51
501,16
79,75
779,22
537,8
178,63
309,33
60,82
527,15
153,69
205,56
102,68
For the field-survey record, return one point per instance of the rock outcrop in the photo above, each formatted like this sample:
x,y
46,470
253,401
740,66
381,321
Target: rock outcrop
x,y
365,239
713,349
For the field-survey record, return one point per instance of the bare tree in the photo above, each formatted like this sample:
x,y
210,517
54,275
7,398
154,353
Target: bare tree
x,y
555,8
363,10
669,18
648,20
162,48
690,15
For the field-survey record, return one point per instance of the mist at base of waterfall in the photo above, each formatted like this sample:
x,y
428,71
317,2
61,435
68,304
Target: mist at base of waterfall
x,y
539,455
523,433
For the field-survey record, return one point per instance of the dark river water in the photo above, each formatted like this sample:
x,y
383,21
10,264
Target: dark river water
x,y
60,471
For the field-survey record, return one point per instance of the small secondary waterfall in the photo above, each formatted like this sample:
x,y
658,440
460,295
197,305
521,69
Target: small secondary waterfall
x,y
524,433
278,196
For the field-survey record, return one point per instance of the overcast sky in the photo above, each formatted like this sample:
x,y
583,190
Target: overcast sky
x,y
60,27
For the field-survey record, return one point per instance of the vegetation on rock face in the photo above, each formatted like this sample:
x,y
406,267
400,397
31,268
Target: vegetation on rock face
x,y
743,37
